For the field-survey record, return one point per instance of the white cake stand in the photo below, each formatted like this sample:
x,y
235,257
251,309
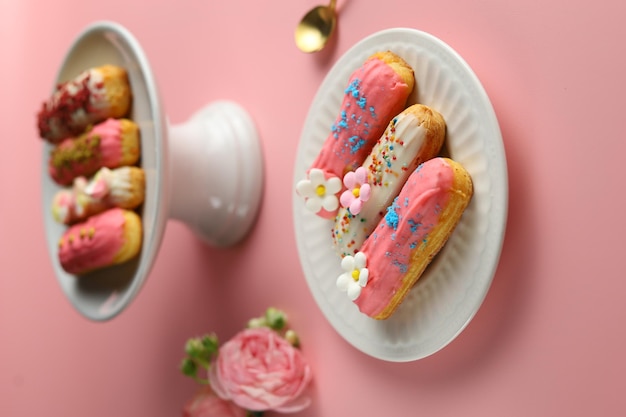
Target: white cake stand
x,y
206,173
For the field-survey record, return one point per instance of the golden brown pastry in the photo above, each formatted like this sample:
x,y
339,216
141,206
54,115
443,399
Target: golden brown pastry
x,y
416,226
112,144
109,238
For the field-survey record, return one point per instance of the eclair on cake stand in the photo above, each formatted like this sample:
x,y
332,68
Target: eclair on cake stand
x,y
206,172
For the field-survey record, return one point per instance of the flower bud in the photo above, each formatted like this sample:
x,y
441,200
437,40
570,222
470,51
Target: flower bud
x,y
257,322
276,319
194,347
292,338
188,367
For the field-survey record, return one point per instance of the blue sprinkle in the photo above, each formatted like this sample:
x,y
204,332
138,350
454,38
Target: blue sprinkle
x,y
391,218
362,102
414,225
402,267
353,88
358,144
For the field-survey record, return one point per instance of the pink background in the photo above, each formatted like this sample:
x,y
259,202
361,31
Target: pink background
x,y
549,339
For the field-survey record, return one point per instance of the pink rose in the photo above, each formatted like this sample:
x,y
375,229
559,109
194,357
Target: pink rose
x,y
259,370
206,404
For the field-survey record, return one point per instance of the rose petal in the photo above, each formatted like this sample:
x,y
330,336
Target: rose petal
x,y
216,384
296,405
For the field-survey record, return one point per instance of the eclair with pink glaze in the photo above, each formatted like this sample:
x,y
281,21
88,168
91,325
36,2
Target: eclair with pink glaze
x,y
112,144
411,138
121,187
94,95
376,92
109,238
416,226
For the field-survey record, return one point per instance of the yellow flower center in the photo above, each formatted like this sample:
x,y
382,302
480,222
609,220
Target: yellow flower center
x,y
356,192
355,274
320,190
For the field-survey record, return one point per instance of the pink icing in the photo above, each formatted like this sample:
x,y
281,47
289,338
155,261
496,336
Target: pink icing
x,y
403,231
83,156
375,94
94,243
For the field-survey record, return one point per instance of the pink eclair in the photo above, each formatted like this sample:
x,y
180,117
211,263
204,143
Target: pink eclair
x,y
112,144
93,96
376,92
122,187
416,226
109,238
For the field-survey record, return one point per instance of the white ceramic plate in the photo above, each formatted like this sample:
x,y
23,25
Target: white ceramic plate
x,y
453,287
105,293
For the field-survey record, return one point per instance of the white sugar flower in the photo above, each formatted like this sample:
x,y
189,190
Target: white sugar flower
x,y
356,275
319,192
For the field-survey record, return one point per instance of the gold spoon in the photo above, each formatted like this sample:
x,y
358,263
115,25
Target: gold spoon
x,y
316,27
